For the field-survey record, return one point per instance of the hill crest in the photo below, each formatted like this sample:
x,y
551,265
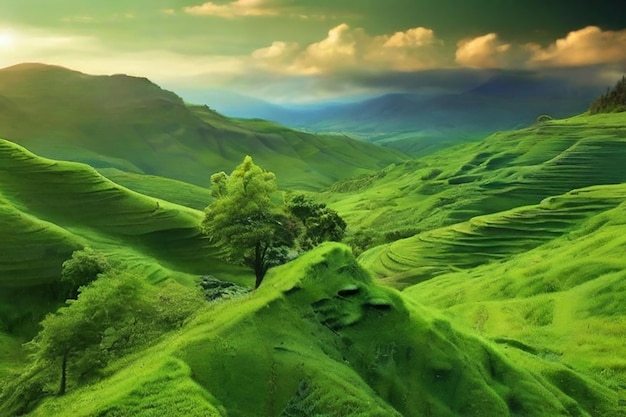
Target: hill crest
x,y
133,125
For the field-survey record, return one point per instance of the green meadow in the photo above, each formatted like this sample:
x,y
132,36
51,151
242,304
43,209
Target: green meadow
x,y
485,279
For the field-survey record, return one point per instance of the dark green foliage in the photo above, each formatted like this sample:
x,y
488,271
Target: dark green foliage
x,y
215,289
321,223
97,326
83,268
301,405
614,100
113,314
245,220
359,183
174,304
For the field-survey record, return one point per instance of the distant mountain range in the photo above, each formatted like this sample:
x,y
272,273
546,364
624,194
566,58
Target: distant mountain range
x,y
419,123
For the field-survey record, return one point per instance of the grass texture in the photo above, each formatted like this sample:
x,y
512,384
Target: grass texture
x,y
320,338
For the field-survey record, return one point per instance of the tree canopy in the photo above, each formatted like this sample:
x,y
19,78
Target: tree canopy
x,y
247,221
89,329
614,100
112,314
255,227
320,222
82,268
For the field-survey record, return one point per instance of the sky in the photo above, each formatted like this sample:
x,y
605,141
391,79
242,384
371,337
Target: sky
x,y
307,50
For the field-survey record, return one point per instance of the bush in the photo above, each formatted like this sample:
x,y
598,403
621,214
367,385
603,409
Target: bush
x,y
363,240
82,268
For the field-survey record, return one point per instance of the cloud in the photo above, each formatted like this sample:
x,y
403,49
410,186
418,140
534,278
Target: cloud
x,y
584,47
345,48
78,19
415,37
338,49
485,51
233,9
277,49
588,46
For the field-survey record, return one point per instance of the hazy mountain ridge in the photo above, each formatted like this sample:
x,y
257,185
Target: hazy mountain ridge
x,y
133,125
438,119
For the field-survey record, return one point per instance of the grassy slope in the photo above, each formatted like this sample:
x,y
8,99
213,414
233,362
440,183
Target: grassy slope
x,y
507,170
174,191
563,299
489,238
547,276
319,338
50,208
132,125
350,348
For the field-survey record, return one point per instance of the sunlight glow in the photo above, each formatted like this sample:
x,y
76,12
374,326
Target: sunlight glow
x,y
7,40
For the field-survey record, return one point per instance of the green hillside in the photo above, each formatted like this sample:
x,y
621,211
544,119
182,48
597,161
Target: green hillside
x,y
506,170
519,246
133,125
489,238
50,208
563,299
321,339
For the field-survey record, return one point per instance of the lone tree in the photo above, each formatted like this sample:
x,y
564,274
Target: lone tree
x,y
247,221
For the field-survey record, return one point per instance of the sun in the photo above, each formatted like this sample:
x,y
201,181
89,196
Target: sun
x,y
7,40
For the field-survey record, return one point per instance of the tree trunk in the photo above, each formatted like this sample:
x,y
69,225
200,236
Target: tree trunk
x,y
63,374
259,278
259,264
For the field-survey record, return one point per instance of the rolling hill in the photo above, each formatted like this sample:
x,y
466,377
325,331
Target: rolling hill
x,y
50,208
132,125
519,238
320,338
506,170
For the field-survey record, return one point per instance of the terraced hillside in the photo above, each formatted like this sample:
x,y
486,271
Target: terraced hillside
x,y
507,170
319,338
562,300
132,125
50,208
545,278
517,241
489,238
